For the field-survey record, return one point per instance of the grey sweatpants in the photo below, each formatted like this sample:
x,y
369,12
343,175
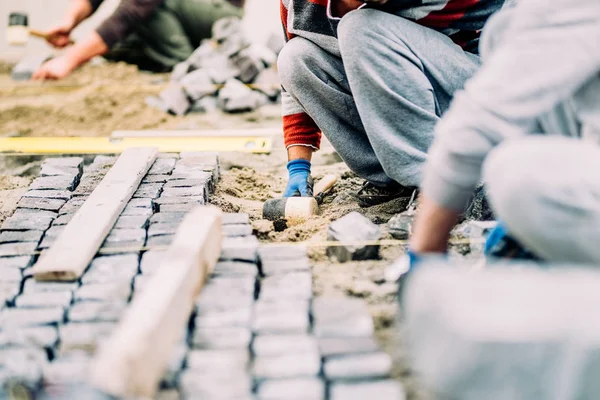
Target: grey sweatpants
x,y
379,101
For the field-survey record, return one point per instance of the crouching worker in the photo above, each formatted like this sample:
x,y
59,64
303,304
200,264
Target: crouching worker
x,y
153,34
375,84
528,123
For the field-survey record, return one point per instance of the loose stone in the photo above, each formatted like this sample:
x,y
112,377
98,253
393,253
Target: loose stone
x,y
353,228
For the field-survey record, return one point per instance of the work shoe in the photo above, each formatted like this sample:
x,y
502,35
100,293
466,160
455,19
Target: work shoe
x,y
370,195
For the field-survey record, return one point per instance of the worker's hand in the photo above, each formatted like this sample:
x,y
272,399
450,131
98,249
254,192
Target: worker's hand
x,y
59,36
57,68
300,182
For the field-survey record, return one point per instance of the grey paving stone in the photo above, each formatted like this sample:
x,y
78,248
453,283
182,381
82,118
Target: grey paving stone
x,y
380,390
148,190
278,252
33,286
213,299
17,249
117,291
51,236
27,317
341,317
177,208
56,170
63,219
121,235
102,163
22,365
132,221
49,194
363,366
277,267
205,362
131,246
274,345
293,285
194,173
162,166
292,389
137,211
162,229
281,317
8,292
353,228
38,336
184,191
221,338
232,285
139,284
33,214
70,162
59,182
188,183
151,261
127,262
156,242
108,274
239,230
72,205
167,217
83,337
88,182
24,222
18,262
175,365
329,347
156,178
140,203
96,311
10,274
232,318
235,268
45,300
234,386
235,218
66,371
285,366
41,204
239,249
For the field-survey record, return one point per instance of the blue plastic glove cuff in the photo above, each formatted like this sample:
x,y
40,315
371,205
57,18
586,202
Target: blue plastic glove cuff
x,y
300,182
298,166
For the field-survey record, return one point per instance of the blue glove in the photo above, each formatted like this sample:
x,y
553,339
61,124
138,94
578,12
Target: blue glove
x,y
497,235
499,244
300,182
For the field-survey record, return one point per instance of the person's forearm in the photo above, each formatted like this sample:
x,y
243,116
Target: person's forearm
x,y
87,49
78,11
432,227
300,152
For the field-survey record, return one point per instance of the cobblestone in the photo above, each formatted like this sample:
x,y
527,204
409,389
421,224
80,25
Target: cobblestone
x,y
341,317
240,317
126,235
163,229
148,190
136,211
162,166
21,262
305,365
66,371
17,249
277,267
179,207
45,300
281,317
156,178
10,274
140,203
294,285
28,221
273,345
132,221
41,204
380,390
329,347
68,162
221,338
43,337
293,389
151,261
72,205
33,286
96,311
174,367
234,386
58,182
117,291
218,361
17,317
88,182
63,219
130,246
358,366
56,170
235,268
8,291
22,365
160,241
187,183
83,337
184,192
239,249
49,194
166,217
239,230
234,219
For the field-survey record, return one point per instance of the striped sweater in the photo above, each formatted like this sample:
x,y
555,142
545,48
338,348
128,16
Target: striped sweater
x,y
461,20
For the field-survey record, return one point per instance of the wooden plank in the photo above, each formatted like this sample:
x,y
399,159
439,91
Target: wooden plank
x,y
133,360
104,145
200,133
76,246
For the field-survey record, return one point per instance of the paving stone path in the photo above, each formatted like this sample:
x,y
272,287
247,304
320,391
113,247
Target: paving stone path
x,y
256,332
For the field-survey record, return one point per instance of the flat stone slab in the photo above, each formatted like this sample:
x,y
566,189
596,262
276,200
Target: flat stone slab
x,y
156,178
59,182
162,166
27,317
10,274
278,252
274,345
239,249
151,261
17,249
57,170
121,235
83,337
45,300
237,385
329,347
238,230
49,194
221,338
292,389
232,318
72,205
166,228
281,317
341,317
220,361
305,365
235,268
117,291
95,311
235,218
160,242
363,366
24,222
41,204
70,162
33,286
148,190
63,219
380,390
21,262
167,217
294,285
38,336
277,267
132,222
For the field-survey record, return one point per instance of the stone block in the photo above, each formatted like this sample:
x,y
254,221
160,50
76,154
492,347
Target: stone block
x,y
214,299
205,362
83,337
380,390
179,205
159,242
232,285
21,262
148,190
351,230
331,347
235,268
63,219
72,205
22,366
41,204
156,178
221,338
59,182
341,317
400,225
49,194
362,366
43,337
121,235
130,246
180,70
10,274
293,285
141,203
197,386
239,249
281,317
88,182
178,208
17,249
201,172
28,65
286,366
267,82
162,166
58,170
151,261
175,99
161,218
232,318
45,300
137,211
67,162
8,291
33,286
240,230
163,229
139,284
188,183
101,163
132,221
66,371
27,221
292,389
28,317
184,192
235,96
51,236
250,63
117,291
198,84
235,218
275,345
278,267
96,311
108,274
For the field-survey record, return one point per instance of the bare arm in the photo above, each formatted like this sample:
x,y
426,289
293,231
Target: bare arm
x,y
432,227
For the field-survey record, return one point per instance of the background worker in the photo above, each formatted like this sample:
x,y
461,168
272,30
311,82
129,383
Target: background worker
x,y
529,124
153,34
375,82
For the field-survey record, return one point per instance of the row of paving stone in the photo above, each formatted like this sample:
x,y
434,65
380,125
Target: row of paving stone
x,y
256,331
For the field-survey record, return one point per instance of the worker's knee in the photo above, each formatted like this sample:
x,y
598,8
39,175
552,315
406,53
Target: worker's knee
x,y
356,31
294,61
